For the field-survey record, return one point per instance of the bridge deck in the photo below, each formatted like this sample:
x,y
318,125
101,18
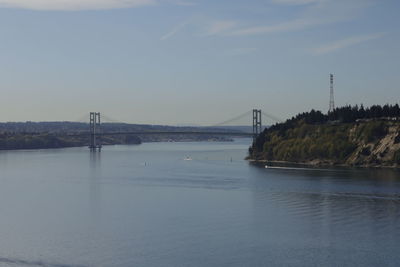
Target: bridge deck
x,y
166,133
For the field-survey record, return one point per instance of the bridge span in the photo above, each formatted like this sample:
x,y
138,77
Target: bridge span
x,y
96,132
230,133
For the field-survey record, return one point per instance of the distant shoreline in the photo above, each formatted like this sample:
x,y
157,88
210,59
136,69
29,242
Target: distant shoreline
x,y
63,145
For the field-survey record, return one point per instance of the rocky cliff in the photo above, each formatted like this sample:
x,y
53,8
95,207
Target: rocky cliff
x,y
364,143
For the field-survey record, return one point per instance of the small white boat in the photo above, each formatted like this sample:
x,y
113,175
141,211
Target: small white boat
x,y
187,158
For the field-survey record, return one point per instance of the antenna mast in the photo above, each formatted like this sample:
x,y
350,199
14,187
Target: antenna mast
x,y
332,98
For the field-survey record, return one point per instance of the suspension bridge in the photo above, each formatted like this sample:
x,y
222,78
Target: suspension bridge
x,y
96,132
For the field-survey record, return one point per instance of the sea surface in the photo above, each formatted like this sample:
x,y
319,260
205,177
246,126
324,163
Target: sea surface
x,y
191,204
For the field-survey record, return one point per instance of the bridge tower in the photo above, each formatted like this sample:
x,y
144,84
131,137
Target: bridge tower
x,y
94,131
257,125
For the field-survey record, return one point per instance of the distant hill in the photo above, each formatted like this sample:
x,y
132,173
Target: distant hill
x,y
77,127
39,135
312,138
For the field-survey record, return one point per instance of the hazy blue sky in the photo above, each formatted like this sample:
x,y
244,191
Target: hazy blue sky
x,y
194,61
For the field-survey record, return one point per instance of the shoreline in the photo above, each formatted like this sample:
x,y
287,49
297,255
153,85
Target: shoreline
x,y
318,163
116,144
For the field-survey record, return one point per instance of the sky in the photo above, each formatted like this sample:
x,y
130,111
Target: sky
x,y
195,62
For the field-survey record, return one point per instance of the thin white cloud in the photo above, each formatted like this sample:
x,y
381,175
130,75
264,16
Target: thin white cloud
x,y
220,27
295,2
174,31
337,45
298,24
74,4
184,3
316,13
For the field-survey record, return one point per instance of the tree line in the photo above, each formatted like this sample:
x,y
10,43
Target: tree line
x,y
346,114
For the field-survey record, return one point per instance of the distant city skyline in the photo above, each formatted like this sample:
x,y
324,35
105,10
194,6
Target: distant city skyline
x,y
192,62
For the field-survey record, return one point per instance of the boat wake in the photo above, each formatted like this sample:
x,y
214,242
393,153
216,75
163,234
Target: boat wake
x,y
296,169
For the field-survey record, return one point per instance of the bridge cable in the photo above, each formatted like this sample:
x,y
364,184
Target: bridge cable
x,y
82,119
107,119
272,117
247,113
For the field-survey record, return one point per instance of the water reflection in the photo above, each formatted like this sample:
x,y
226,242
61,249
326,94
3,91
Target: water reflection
x,y
95,159
95,184
359,208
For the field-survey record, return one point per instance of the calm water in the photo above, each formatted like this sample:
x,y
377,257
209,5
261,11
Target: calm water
x,y
147,206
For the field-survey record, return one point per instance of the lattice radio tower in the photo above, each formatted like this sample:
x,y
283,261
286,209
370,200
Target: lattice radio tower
x,y
332,97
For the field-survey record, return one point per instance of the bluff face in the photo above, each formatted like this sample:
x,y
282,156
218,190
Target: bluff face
x,y
364,143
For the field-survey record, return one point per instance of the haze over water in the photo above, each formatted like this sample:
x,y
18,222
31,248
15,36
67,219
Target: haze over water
x,y
147,206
